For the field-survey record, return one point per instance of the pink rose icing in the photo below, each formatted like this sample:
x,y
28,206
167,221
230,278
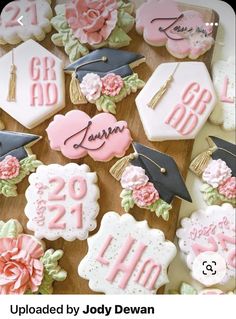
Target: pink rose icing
x,y
228,188
92,21
145,195
9,167
102,137
112,84
91,87
216,173
183,33
133,177
20,267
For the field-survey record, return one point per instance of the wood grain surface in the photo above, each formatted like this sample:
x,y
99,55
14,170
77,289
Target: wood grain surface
x,y
109,188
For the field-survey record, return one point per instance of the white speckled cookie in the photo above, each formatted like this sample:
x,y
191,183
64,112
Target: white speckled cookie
x,y
62,202
36,16
126,257
223,73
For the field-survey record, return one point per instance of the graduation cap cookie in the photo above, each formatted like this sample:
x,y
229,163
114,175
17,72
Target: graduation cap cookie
x,y
217,168
85,25
104,77
146,177
16,160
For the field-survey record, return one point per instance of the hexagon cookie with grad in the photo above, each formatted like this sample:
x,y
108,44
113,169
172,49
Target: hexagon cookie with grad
x,y
176,101
32,84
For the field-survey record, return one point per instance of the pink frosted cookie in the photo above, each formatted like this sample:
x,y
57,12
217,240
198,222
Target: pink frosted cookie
x,y
26,267
126,257
25,19
184,33
102,137
62,202
210,230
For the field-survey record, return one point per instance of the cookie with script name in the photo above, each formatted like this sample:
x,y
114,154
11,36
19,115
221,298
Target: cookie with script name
x,y
126,257
184,33
210,230
62,201
101,137
25,19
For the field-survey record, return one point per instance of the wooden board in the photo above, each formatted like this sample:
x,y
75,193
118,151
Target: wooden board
x,y
109,188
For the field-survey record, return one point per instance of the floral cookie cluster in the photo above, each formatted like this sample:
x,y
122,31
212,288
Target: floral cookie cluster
x,y
139,191
26,267
108,90
220,185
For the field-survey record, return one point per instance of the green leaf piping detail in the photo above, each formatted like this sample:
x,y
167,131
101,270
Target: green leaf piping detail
x,y
212,197
10,229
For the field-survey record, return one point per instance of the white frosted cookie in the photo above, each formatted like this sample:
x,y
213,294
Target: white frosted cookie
x,y
25,19
210,230
62,202
126,257
223,74
176,101
39,84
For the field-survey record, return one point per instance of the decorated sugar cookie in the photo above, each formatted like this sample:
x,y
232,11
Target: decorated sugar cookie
x,y
150,180
187,289
184,33
32,84
210,230
25,19
62,201
26,267
216,166
223,73
104,77
86,24
126,257
176,101
16,160
101,137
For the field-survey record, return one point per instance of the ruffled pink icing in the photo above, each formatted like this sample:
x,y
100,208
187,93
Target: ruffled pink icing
x,y
228,188
91,87
92,21
112,84
9,167
216,173
20,267
133,177
145,195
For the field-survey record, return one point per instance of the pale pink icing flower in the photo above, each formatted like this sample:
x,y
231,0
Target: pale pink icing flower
x,y
145,195
20,267
133,176
112,84
91,87
228,188
92,21
216,173
9,167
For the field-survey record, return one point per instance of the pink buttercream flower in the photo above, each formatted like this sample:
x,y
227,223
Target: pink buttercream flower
x,y
91,87
228,188
92,21
112,84
133,177
216,173
145,195
20,267
9,167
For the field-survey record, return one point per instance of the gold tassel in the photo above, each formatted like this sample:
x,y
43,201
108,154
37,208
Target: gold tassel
x,y
200,162
12,85
76,95
118,168
152,104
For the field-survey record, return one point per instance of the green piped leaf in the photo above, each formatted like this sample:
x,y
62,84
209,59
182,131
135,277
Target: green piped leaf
x,y
11,229
186,289
161,209
127,201
105,104
125,21
125,6
118,38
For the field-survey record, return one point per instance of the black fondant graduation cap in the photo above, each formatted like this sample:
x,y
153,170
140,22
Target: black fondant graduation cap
x,y
168,184
225,151
16,144
104,61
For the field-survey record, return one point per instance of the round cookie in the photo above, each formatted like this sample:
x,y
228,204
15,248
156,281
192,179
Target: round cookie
x,y
25,19
126,257
62,202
